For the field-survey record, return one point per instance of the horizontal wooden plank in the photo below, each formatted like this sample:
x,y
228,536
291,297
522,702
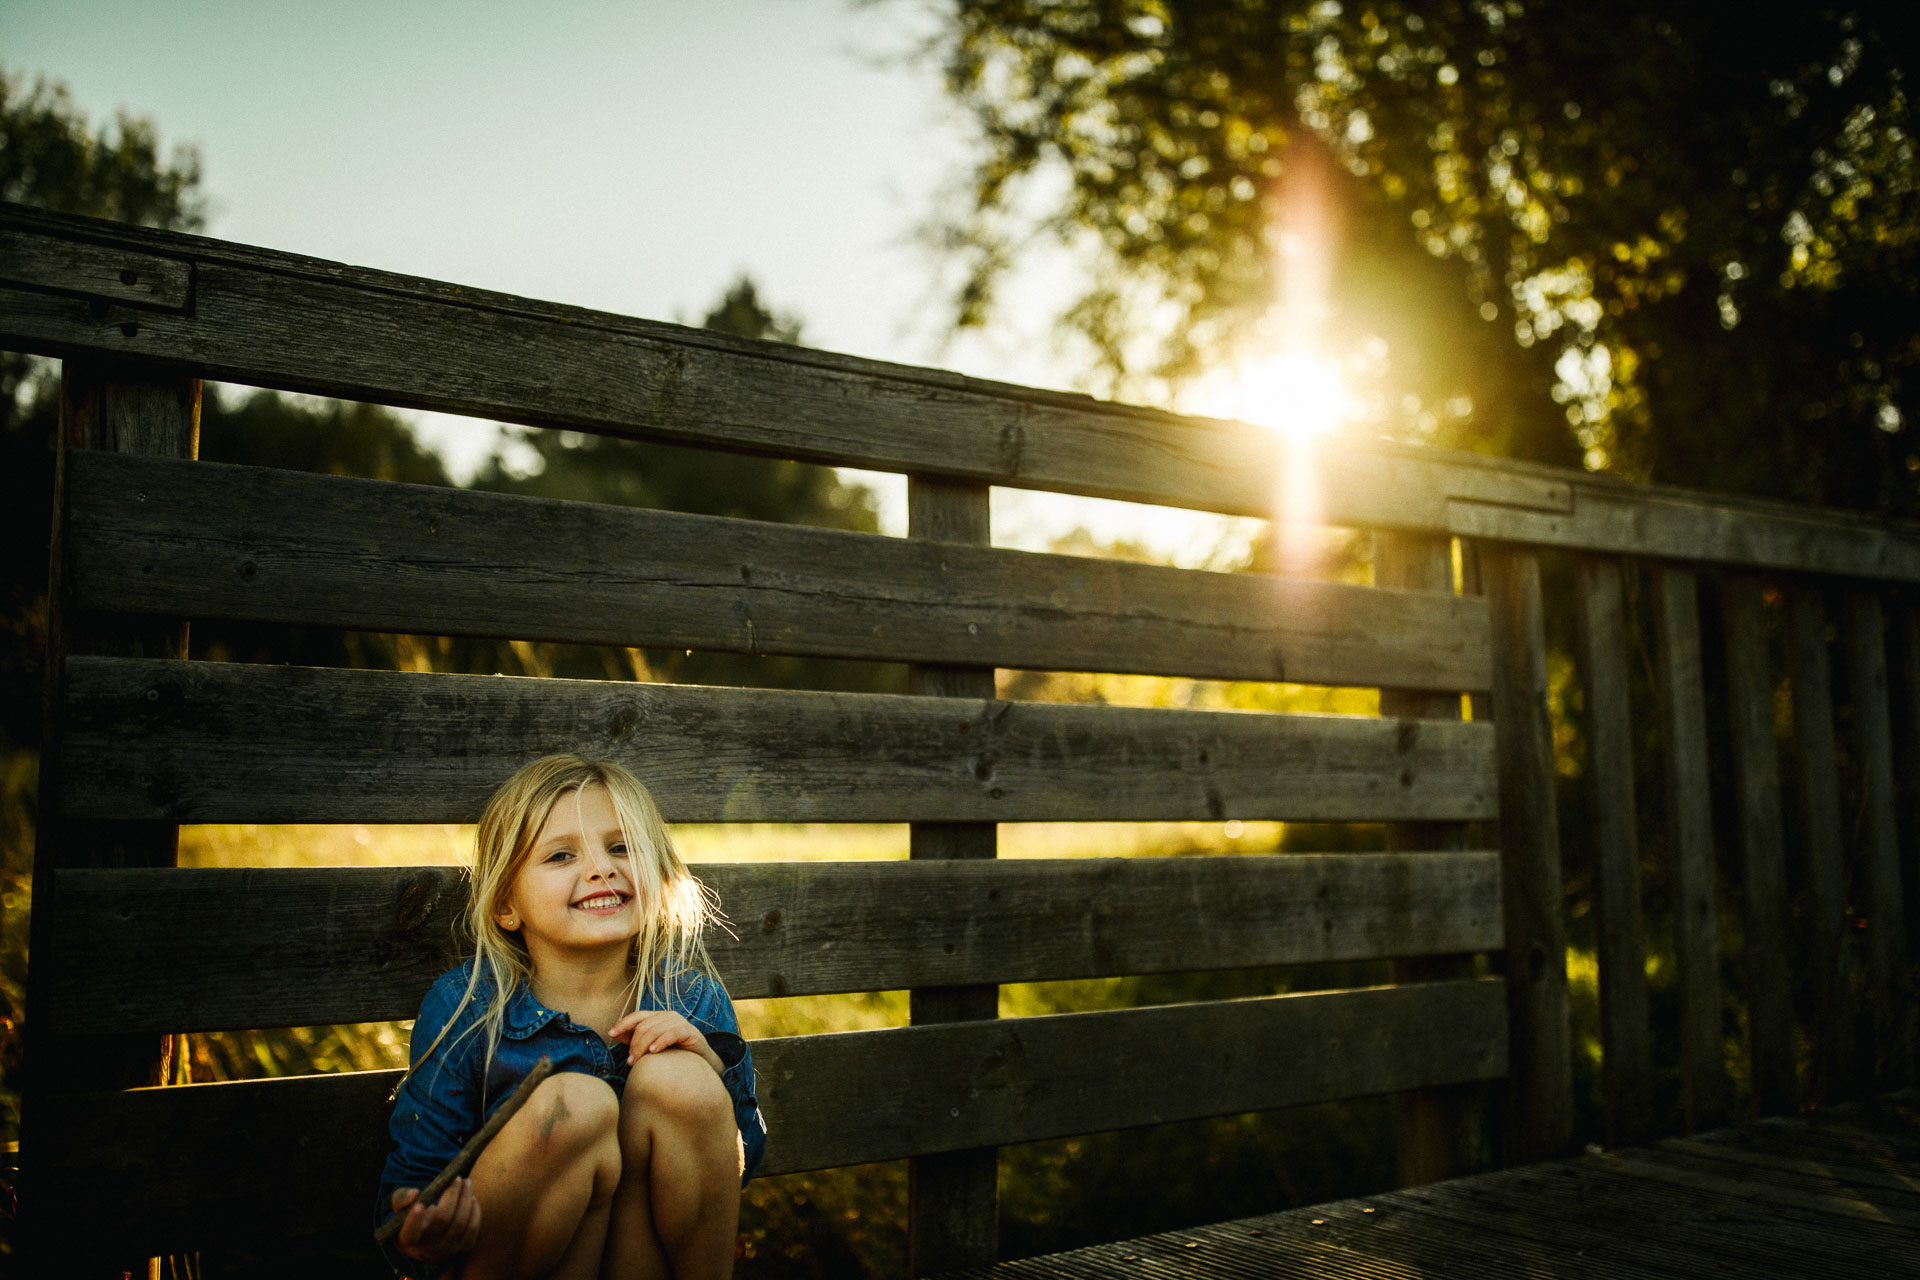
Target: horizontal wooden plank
x,y
1698,527
299,1160
851,1097
221,742
224,948
205,540
280,320
299,324
105,272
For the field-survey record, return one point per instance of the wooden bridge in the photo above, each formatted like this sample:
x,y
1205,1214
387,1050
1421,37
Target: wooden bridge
x,y
1467,900
1836,1194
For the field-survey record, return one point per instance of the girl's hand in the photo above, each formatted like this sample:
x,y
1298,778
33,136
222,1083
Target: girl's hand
x,y
655,1030
446,1230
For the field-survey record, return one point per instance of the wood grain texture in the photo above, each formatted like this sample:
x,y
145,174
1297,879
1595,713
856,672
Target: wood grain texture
x,y
1622,518
1540,1085
1690,834
208,540
953,1197
1440,1133
1597,1217
298,1158
1756,760
1626,1031
1865,627
137,410
1816,761
279,320
95,271
226,948
215,742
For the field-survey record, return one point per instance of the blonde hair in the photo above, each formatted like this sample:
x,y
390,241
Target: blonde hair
x,y
675,907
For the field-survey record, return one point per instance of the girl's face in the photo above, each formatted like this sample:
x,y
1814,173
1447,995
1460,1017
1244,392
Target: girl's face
x,y
574,891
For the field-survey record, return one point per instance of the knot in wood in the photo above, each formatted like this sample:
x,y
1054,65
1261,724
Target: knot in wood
x,y
418,894
622,723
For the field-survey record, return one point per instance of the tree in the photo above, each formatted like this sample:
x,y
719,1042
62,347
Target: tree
x,y
1666,240
52,157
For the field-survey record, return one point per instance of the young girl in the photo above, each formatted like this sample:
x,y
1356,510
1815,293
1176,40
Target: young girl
x,y
628,1160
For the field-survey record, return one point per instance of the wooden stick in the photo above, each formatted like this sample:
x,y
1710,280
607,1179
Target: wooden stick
x,y
475,1145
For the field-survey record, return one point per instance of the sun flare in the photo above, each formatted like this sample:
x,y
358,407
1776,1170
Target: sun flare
x,y
1299,393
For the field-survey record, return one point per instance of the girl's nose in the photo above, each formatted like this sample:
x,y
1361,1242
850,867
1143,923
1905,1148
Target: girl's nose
x,y
600,864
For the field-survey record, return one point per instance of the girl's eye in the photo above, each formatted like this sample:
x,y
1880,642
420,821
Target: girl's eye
x,y
619,850
558,854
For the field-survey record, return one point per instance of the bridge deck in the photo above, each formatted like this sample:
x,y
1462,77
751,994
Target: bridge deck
x,y
1836,1193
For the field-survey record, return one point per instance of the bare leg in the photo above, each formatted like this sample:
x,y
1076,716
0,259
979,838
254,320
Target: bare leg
x,y
546,1184
677,1210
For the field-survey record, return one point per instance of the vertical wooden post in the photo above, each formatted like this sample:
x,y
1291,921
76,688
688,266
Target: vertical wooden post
x,y
953,1198
1908,661
1886,923
1539,1120
1810,672
1625,1031
1442,1133
1690,830
1756,762
128,409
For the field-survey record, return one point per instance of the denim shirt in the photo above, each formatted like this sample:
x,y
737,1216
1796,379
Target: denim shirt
x,y
446,1100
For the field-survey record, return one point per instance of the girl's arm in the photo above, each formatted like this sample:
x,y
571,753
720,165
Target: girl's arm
x,y
652,1030
434,1112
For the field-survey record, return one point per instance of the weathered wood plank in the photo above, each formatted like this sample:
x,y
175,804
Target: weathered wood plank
x,y
207,540
136,410
953,1197
300,1158
279,320
1690,833
298,324
1815,1170
1626,1033
1806,1202
1816,761
1621,518
1756,762
216,742
1880,854
96,271
1441,1133
1541,1080
227,948
1573,1218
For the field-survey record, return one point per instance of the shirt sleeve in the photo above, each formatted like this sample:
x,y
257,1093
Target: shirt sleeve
x,y
438,1107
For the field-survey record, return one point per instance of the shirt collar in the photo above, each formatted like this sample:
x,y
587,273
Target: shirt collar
x,y
525,1014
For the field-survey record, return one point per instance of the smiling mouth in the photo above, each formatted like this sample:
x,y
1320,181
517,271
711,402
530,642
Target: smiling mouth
x,y
602,902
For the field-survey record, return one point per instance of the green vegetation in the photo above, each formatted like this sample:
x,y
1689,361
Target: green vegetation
x,y
1677,242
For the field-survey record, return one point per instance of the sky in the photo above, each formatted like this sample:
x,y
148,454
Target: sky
x,y
634,156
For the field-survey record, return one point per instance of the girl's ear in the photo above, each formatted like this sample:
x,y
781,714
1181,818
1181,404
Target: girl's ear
x,y
508,919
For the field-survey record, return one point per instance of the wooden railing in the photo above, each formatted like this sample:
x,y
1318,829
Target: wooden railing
x,y
141,740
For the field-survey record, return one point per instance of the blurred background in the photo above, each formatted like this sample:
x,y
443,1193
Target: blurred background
x,y
1653,240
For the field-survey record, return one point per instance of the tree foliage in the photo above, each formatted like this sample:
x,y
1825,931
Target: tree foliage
x,y
1675,241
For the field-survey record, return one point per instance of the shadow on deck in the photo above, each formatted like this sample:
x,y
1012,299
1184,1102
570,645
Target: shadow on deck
x,y
1835,1193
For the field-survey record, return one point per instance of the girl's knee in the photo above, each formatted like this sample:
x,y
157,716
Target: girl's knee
x,y
572,1114
677,1086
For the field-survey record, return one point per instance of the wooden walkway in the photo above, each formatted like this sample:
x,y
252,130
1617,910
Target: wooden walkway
x,y
1834,1194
